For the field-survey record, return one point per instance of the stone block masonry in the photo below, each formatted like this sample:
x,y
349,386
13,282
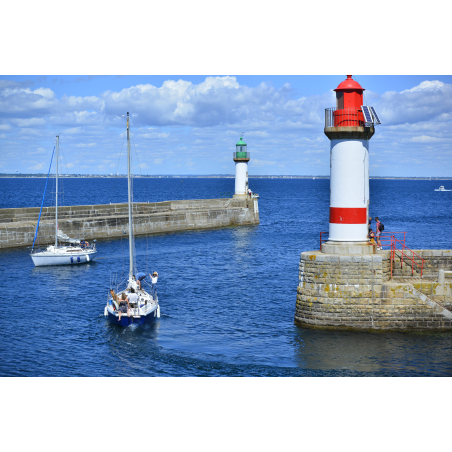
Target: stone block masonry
x,y
17,226
356,292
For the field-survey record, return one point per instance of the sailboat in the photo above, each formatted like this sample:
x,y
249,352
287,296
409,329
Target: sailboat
x,y
77,252
146,308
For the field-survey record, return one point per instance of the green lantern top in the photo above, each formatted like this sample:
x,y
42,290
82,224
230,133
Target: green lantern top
x,y
240,149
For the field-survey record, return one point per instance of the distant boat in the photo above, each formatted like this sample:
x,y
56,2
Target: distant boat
x,y
441,188
78,252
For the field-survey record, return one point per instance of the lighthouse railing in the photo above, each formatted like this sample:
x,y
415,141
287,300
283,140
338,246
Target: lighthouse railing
x,y
344,117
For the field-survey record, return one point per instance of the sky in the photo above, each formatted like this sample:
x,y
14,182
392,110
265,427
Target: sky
x,y
189,124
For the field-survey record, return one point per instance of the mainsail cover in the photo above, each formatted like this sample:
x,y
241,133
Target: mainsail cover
x,y
64,238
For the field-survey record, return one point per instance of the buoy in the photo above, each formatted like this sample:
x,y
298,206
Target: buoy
x,y
87,258
105,311
158,312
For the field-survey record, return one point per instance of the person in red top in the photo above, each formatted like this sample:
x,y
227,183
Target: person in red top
x,y
378,233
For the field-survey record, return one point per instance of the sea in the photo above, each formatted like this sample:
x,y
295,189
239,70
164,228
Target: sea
x,y
227,296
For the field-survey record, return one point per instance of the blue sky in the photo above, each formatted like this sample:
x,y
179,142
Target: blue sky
x,y
190,124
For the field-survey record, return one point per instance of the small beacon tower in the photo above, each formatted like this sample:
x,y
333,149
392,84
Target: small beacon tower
x,y
241,159
349,127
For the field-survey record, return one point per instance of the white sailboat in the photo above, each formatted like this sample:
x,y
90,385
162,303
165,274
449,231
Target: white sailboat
x,y
78,252
145,307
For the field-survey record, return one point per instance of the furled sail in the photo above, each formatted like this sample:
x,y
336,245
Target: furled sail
x,y
64,238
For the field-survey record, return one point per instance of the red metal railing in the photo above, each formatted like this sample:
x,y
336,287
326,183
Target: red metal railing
x,y
344,117
322,239
389,239
402,252
385,238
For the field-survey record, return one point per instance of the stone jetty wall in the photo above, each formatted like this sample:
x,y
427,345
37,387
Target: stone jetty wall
x,y
357,292
17,226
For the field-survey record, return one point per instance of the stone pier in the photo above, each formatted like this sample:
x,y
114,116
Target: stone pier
x,y
356,292
17,226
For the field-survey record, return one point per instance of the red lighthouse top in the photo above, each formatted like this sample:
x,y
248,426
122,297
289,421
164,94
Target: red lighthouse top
x,y
349,94
349,84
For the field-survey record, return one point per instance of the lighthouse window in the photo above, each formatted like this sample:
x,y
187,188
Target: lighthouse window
x,y
340,100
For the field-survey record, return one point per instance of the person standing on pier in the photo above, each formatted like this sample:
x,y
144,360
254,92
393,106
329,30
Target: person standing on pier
x,y
378,233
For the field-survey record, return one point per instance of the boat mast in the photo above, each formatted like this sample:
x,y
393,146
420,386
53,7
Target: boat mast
x,y
56,194
130,203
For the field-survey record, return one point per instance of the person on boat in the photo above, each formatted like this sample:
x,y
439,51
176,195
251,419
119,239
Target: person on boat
x,y
132,297
139,277
123,306
154,278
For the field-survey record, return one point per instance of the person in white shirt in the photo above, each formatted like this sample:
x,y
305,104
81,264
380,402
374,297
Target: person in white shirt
x,y
132,297
154,278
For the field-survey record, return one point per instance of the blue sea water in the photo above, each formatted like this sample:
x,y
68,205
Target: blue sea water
x,y
227,295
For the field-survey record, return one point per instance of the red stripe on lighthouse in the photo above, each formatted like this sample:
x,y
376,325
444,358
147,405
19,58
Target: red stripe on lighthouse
x,y
348,215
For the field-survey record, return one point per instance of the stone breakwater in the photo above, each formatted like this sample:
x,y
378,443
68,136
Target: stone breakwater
x,y
17,226
357,292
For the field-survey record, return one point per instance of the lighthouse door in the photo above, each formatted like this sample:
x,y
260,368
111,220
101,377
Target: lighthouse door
x,y
339,100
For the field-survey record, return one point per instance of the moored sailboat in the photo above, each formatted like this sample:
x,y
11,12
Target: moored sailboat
x,y
144,308
77,252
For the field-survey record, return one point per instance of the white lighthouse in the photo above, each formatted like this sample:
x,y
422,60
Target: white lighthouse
x,y
241,159
349,126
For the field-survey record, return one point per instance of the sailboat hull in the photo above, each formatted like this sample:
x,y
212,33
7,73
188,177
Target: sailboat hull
x,y
148,319
47,258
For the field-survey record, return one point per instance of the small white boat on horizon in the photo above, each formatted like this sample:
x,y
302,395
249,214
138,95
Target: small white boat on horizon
x,y
441,188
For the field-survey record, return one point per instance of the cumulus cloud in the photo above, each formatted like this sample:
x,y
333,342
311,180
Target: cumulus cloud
x,y
427,101
216,101
425,139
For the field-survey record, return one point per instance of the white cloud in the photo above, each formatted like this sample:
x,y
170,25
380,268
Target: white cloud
x,y
258,162
426,86
85,145
425,139
425,102
36,167
29,122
